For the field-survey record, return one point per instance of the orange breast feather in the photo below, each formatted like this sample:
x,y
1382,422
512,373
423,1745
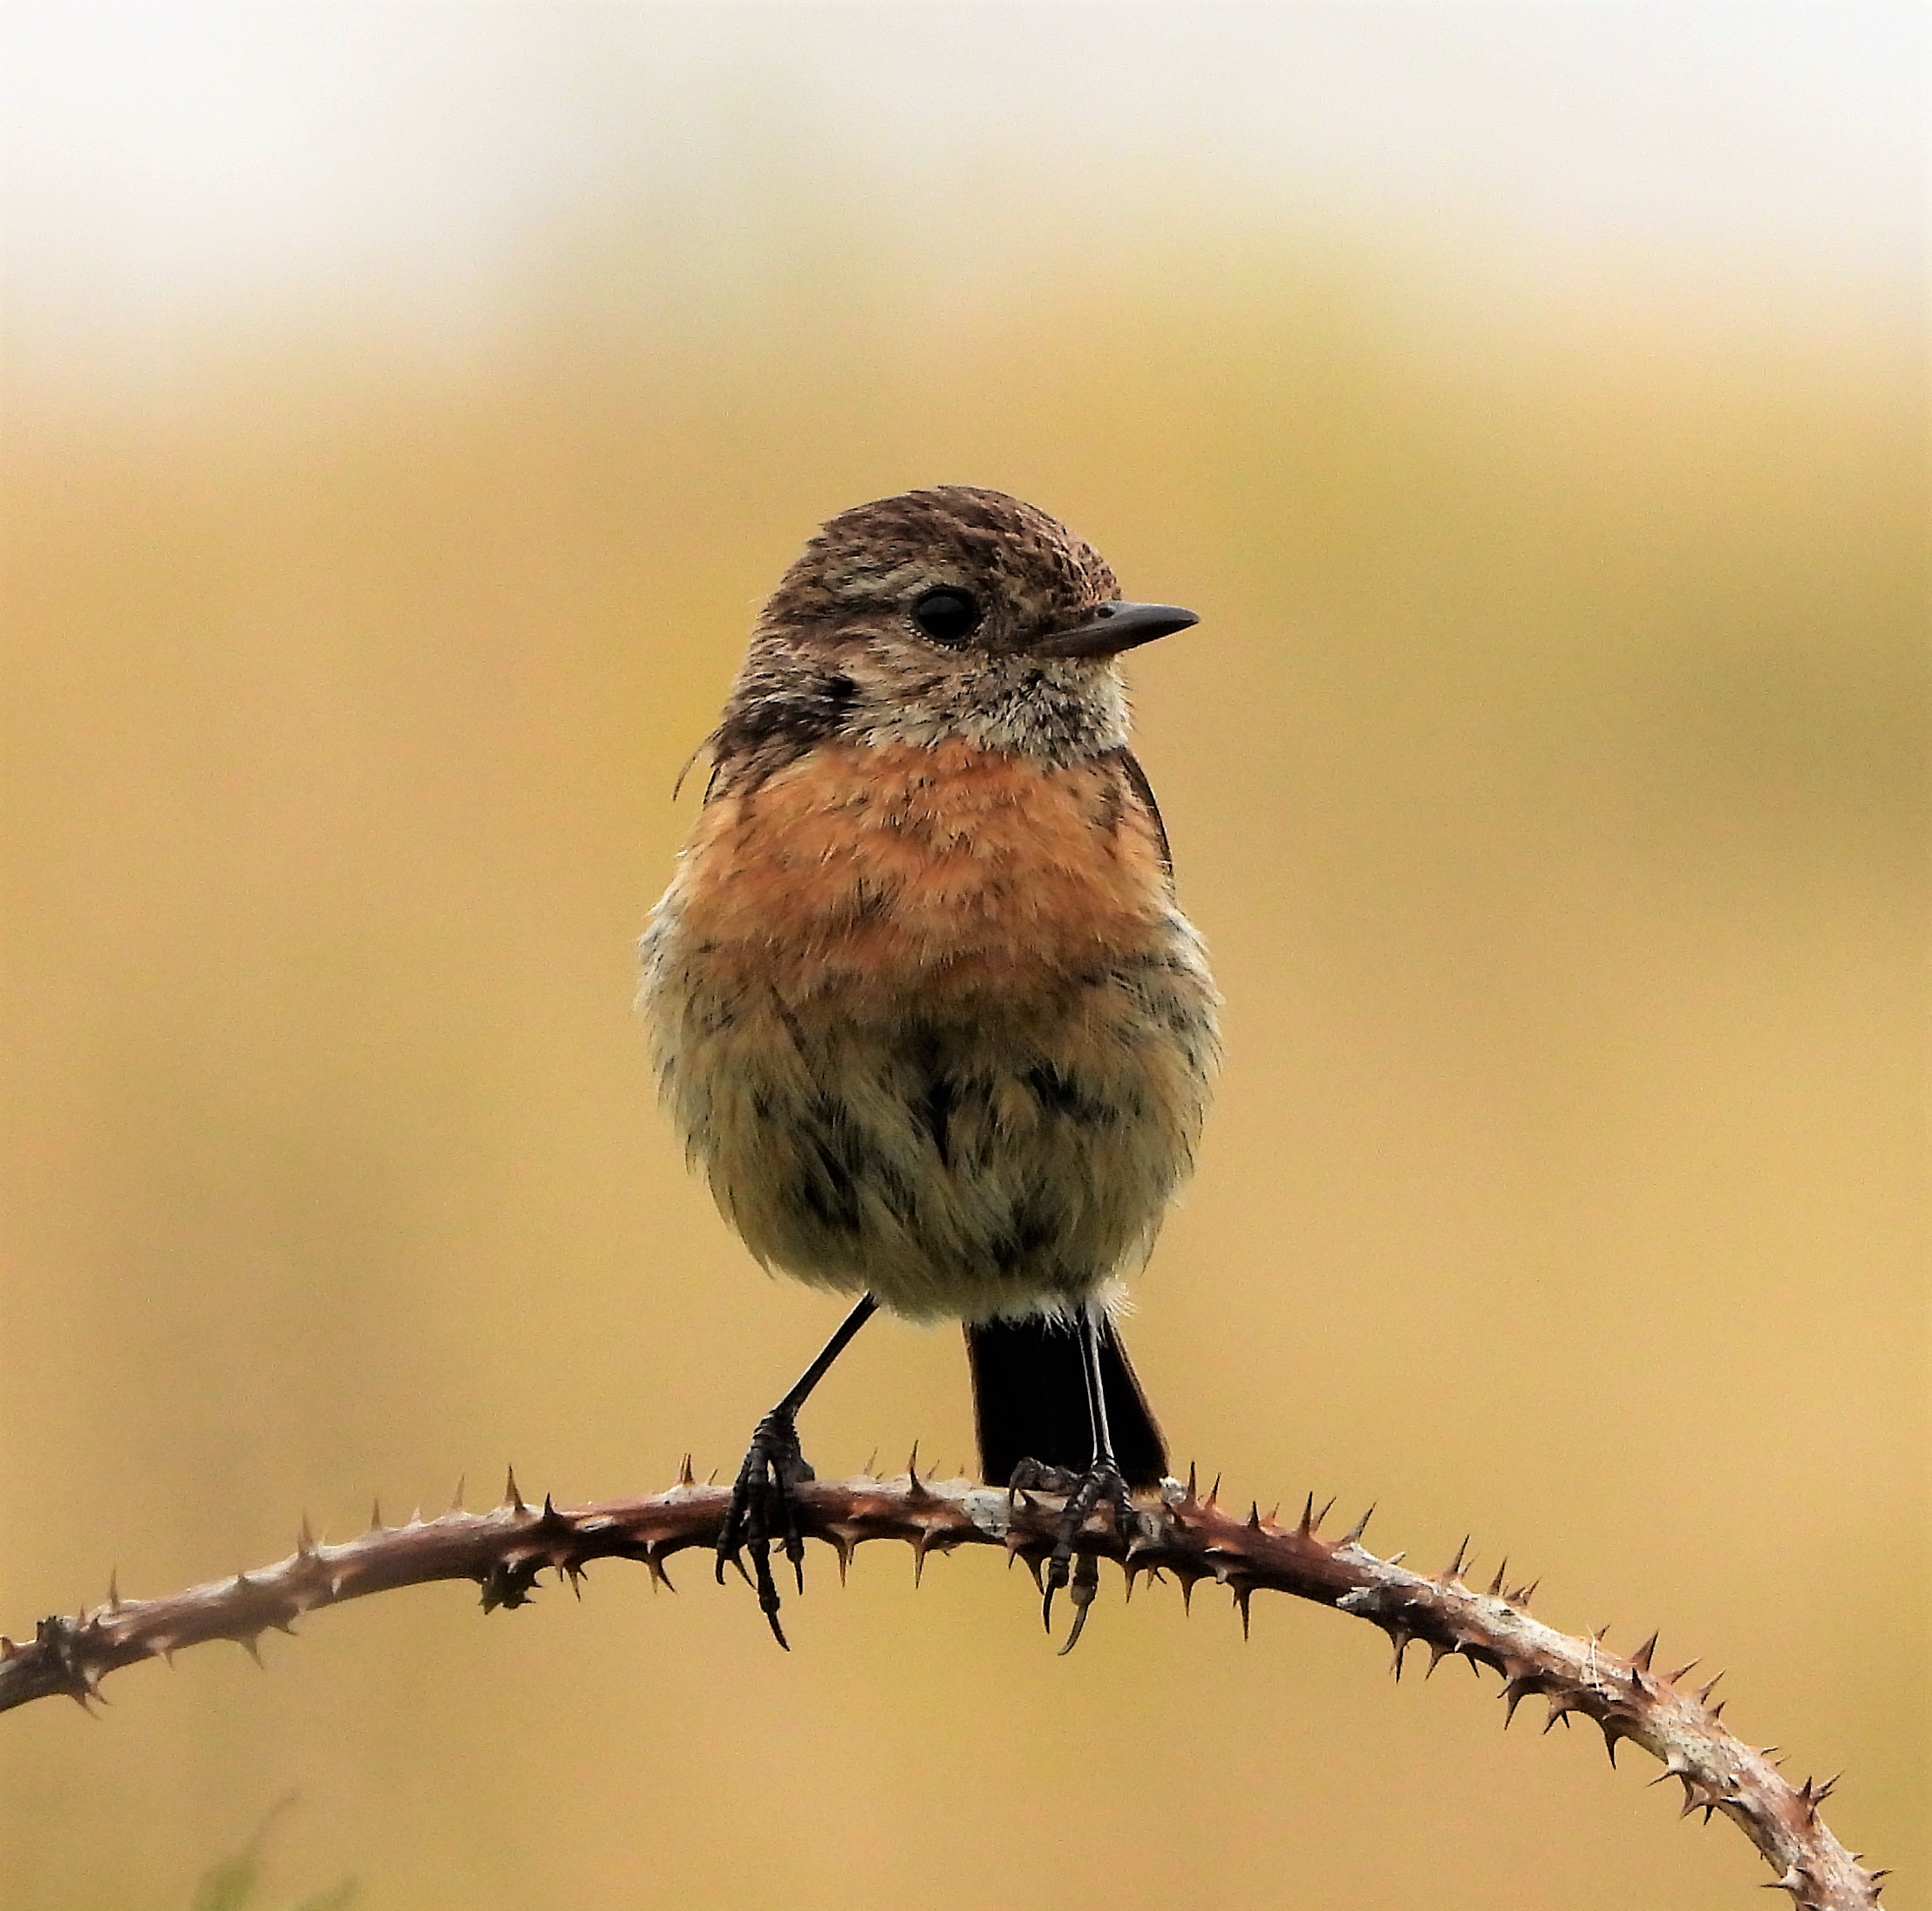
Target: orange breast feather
x,y
949,868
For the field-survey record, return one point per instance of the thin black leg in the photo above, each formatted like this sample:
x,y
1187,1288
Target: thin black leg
x,y
773,1466
801,1388
1101,1485
1096,1392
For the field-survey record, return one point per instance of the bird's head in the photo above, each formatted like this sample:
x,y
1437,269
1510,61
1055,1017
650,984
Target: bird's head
x,y
947,613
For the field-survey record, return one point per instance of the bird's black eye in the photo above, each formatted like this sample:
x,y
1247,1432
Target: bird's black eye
x,y
947,615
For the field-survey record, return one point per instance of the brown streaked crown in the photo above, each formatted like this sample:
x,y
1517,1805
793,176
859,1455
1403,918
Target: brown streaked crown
x,y
923,618
1027,573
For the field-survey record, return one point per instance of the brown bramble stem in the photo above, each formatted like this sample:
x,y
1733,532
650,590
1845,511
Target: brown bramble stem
x,y
1180,1535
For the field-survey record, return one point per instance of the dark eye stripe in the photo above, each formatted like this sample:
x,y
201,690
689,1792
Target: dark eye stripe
x,y
947,615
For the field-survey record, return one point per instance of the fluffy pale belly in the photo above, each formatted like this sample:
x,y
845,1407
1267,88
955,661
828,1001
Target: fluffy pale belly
x,y
934,1029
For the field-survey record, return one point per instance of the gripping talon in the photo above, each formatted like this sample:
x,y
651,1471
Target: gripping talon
x,y
762,1501
1085,1494
1086,1583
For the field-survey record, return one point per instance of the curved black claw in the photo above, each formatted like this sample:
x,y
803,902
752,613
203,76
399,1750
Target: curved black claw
x,y
762,1504
1100,1486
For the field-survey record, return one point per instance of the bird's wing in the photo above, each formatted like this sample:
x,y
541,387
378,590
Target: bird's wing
x,y
1143,790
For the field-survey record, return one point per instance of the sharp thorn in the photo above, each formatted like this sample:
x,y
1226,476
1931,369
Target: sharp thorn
x,y
1353,1535
1513,1693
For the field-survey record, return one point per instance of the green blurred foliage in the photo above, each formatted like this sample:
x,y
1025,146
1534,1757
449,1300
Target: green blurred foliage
x,y
236,1883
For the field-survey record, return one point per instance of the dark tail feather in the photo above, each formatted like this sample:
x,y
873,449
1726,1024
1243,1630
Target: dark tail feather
x,y
1030,1401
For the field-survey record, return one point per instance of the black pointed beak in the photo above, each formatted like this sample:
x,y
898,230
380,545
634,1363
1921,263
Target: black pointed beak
x,y
1117,626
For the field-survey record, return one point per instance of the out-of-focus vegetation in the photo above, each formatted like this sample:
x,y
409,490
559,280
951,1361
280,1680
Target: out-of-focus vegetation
x,y
238,1882
1547,776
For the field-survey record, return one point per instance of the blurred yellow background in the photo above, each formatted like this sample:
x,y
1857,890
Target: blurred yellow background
x,y
406,408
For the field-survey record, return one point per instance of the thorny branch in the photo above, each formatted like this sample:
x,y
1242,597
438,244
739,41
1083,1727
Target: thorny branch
x,y
1179,1536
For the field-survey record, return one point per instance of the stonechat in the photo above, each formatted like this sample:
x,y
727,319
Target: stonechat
x,y
921,999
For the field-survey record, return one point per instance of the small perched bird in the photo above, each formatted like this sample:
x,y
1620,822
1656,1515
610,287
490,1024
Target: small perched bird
x,y
921,999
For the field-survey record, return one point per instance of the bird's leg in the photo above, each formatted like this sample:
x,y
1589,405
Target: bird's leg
x,y
774,1465
1101,1485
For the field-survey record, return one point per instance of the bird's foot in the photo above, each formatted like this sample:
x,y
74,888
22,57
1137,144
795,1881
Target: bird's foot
x,y
762,1505
1100,1486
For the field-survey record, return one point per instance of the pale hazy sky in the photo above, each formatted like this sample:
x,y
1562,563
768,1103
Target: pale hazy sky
x,y
415,162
